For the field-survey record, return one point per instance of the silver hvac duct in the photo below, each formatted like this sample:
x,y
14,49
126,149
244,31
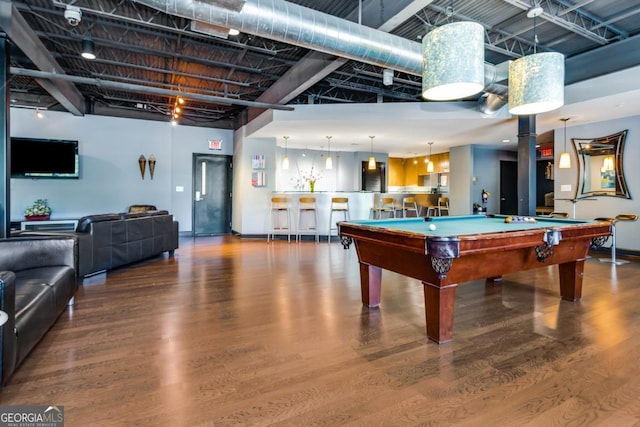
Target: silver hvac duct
x,y
300,26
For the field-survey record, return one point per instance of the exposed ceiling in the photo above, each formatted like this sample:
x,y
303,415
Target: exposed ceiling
x,y
146,57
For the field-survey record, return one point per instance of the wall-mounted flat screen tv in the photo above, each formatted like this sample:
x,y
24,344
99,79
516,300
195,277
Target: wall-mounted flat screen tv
x,y
44,158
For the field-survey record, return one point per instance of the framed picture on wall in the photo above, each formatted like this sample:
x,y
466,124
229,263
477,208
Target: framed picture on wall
x,y
257,161
258,179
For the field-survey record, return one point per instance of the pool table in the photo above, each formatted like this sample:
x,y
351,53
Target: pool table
x,y
465,248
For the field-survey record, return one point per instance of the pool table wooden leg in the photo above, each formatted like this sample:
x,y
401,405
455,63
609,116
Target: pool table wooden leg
x,y
370,284
571,274
439,304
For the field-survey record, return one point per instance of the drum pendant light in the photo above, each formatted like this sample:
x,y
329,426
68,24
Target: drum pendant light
x,y
536,82
453,61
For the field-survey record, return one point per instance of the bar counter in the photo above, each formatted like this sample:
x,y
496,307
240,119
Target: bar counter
x,y
360,205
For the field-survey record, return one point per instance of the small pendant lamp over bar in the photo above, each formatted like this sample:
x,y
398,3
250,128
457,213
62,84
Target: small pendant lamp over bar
x,y
285,159
453,61
430,167
328,164
372,160
565,158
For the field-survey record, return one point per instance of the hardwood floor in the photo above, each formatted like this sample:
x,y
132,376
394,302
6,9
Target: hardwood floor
x,y
241,332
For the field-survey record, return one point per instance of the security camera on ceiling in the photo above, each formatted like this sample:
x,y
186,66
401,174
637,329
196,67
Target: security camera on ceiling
x,y
73,15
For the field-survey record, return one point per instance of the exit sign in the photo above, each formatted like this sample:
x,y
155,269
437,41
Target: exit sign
x,y
546,152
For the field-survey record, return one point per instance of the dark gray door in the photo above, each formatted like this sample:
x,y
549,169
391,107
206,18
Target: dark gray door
x,y
374,180
212,194
508,187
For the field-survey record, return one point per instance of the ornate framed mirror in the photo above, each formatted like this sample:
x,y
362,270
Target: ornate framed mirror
x,y
600,171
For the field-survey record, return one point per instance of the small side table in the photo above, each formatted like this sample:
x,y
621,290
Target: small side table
x,y
50,225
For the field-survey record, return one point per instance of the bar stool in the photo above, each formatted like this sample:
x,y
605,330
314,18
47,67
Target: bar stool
x,y
443,205
339,205
387,204
613,221
307,205
279,206
409,205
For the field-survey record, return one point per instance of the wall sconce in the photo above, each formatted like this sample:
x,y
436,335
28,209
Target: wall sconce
x,y
39,113
88,49
328,164
152,165
430,167
565,158
285,160
536,82
372,160
142,164
453,61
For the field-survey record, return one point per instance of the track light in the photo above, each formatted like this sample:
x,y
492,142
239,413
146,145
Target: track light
x,y
88,49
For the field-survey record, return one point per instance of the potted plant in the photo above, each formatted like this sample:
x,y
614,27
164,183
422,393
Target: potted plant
x,y
39,211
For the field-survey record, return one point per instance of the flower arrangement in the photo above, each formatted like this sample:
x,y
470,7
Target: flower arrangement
x,y
39,208
310,177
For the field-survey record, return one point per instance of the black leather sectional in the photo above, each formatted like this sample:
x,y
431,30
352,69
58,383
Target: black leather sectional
x,y
37,282
109,241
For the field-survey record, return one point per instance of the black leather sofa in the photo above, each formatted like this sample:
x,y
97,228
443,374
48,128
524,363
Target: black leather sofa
x,y
108,241
37,281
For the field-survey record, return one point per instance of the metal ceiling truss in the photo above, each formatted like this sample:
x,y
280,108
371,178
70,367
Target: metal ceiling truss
x,y
567,16
140,47
175,25
346,83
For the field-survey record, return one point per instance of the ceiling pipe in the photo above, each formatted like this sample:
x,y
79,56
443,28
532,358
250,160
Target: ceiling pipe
x,y
304,27
144,89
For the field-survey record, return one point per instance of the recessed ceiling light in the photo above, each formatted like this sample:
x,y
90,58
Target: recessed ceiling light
x,y
506,140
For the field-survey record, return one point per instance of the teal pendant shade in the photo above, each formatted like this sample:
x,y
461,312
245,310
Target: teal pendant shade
x,y
536,83
453,61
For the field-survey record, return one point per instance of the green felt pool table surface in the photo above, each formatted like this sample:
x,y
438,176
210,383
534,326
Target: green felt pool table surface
x,y
470,224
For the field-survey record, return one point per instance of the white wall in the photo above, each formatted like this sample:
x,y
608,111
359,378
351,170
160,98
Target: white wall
x,y
110,179
566,180
251,204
